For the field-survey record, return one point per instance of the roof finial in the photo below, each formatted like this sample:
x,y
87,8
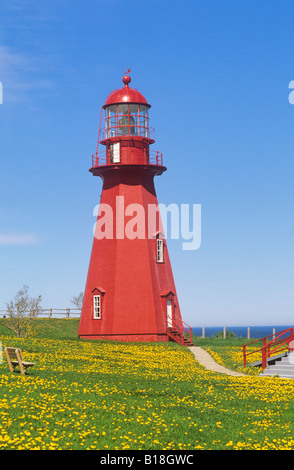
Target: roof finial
x,y
126,78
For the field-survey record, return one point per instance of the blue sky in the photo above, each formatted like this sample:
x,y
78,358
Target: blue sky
x,y
216,73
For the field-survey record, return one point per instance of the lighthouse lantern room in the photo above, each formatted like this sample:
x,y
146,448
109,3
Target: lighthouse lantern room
x,y
130,294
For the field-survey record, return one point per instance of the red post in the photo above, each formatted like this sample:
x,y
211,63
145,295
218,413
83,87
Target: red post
x,y
264,362
244,356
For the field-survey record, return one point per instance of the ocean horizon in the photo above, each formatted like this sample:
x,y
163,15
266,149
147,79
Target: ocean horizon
x,y
256,332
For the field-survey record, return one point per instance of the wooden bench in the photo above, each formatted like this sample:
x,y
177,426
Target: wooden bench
x,y
14,359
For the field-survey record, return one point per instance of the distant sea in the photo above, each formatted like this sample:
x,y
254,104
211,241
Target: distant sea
x,y
241,331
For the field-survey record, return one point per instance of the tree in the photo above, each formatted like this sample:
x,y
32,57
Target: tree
x,y
22,311
78,301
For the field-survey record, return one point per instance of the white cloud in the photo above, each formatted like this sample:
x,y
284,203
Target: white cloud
x,y
9,59
18,239
19,74
12,66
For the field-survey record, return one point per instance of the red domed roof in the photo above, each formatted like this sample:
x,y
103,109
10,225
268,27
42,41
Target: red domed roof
x,y
125,95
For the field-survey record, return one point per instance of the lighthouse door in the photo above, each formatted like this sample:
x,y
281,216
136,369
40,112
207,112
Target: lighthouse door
x,y
169,313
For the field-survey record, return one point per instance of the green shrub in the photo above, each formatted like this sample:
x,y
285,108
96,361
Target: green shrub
x,y
229,334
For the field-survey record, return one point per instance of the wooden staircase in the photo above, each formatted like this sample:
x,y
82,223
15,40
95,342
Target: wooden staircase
x,y
178,337
180,332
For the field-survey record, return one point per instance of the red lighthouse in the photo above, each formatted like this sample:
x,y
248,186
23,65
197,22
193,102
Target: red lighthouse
x,y
130,294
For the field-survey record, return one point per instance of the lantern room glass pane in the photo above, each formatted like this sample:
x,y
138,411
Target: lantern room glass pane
x,y
134,109
122,109
143,121
113,121
134,119
106,128
143,110
123,119
112,109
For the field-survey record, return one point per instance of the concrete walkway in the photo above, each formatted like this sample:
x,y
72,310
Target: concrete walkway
x,y
204,358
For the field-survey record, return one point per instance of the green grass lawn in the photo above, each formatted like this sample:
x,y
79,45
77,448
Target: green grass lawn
x,y
111,395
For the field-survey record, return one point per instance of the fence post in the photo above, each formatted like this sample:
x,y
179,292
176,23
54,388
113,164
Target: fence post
x,y
274,333
248,332
225,332
203,332
67,312
50,313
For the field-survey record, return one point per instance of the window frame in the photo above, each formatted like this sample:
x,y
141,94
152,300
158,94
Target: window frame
x,y
159,250
114,152
97,307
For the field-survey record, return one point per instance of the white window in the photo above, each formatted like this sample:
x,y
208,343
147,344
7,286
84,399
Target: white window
x,y
159,250
97,306
115,153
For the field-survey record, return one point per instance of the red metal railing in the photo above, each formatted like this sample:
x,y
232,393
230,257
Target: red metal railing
x,y
99,159
179,330
127,130
187,329
155,158
276,345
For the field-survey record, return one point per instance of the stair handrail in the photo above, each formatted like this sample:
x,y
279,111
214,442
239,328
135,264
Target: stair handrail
x,y
265,349
187,329
180,326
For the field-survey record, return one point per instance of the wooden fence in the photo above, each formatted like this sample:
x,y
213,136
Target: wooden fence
x,y
225,332
76,312
52,312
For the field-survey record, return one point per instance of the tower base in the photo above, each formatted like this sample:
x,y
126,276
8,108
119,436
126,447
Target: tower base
x,y
130,338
